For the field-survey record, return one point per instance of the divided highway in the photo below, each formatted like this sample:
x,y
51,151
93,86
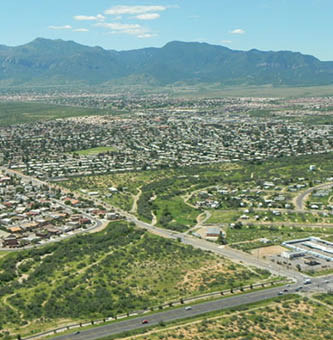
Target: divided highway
x,y
196,310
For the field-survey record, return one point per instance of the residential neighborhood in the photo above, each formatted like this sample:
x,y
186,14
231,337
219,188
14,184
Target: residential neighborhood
x,y
32,214
164,137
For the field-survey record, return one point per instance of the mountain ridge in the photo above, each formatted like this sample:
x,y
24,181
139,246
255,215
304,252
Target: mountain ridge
x,y
59,62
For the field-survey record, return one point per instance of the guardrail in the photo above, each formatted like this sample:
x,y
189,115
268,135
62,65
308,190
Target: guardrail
x,y
178,302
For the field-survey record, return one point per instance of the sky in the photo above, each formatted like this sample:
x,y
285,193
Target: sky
x,y
297,25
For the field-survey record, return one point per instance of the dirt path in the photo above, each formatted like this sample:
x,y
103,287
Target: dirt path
x,y
80,271
188,195
136,197
186,200
5,302
201,219
154,220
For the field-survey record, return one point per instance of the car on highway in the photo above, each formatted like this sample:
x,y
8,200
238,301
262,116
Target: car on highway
x,y
298,288
188,307
144,322
307,281
280,293
76,333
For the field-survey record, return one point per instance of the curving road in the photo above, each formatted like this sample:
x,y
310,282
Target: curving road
x,y
301,198
232,254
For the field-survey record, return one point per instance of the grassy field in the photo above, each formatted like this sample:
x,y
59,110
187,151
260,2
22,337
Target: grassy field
x,y
275,233
322,119
95,151
296,217
216,90
223,216
114,271
17,113
3,253
290,319
248,237
326,199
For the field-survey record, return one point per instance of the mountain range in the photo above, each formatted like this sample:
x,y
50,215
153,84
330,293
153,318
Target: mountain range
x,y
58,62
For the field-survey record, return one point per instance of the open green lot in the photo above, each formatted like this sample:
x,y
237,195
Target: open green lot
x,y
324,197
95,151
19,112
289,216
216,90
248,237
223,216
118,270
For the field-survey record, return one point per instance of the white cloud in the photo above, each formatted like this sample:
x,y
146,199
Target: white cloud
x,y
81,30
118,26
146,35
65,27
148,16
119,10
84,18
99,17
130,29
237,31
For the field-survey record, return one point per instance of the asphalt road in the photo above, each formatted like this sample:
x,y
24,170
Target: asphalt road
x,y
199,309
225,251
232,254
299,202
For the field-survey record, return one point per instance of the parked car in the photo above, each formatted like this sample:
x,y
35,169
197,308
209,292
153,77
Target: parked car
x,y
144,321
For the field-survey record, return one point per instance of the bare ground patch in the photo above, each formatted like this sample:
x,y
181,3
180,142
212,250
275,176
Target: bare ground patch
x,y
268,251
